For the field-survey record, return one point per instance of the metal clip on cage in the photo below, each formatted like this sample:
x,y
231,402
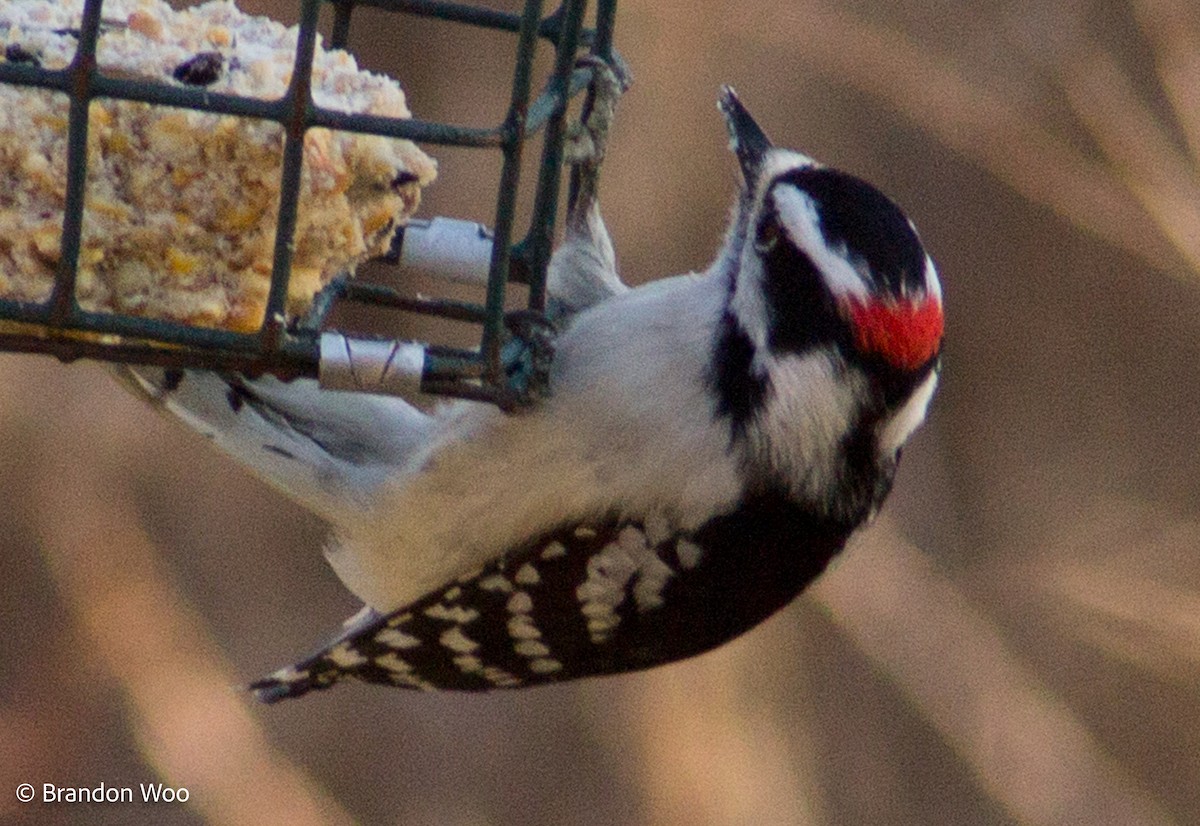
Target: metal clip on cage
x,y
506,369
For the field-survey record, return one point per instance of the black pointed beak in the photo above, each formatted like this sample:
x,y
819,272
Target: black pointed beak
x,y
746,138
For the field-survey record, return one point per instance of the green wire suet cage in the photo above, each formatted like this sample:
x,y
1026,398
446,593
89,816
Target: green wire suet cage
x,y
505,368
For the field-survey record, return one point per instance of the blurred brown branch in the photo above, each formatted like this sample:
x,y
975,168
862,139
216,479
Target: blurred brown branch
x,y
727,759
1174,30
1136,599
1142,197
183,702
1023,743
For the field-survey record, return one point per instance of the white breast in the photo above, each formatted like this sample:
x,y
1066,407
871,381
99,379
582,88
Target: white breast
x,y
629,429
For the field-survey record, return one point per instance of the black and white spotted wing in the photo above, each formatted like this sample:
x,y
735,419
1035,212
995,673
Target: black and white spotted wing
x,y
616,596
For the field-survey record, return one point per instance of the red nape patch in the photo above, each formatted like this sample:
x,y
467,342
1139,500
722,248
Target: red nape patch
x,y
905,333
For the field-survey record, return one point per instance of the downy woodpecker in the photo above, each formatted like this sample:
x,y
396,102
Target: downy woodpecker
x,y
710,441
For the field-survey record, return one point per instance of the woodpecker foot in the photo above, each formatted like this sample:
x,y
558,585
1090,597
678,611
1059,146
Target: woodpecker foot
x,y
587,139
526,356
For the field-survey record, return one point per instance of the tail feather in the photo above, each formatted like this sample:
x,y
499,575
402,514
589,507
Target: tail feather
x,y
327,450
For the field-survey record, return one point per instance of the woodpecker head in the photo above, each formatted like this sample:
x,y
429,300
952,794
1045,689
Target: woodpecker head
x,y
836,317
827,259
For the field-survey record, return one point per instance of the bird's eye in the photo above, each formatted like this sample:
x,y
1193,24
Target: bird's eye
x,y
767,236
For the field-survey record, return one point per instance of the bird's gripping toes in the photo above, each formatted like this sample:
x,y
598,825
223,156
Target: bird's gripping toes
x,y
710,441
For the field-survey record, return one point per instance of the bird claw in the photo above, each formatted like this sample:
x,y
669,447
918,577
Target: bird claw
x,y
587,139
526,356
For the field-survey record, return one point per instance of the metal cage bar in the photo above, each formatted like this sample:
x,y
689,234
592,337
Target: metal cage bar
x,y
60,327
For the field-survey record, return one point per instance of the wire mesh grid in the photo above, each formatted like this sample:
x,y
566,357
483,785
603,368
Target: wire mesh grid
x,y
500,370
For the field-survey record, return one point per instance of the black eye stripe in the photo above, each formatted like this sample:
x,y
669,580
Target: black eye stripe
x,y
801,314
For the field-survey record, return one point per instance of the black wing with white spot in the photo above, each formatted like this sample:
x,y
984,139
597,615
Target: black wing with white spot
x,y
586,600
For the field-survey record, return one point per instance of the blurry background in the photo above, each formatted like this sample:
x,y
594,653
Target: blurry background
x,y
1017,640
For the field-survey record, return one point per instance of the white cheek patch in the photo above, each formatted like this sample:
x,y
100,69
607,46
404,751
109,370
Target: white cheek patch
x,y
903,422
798,215
799,432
